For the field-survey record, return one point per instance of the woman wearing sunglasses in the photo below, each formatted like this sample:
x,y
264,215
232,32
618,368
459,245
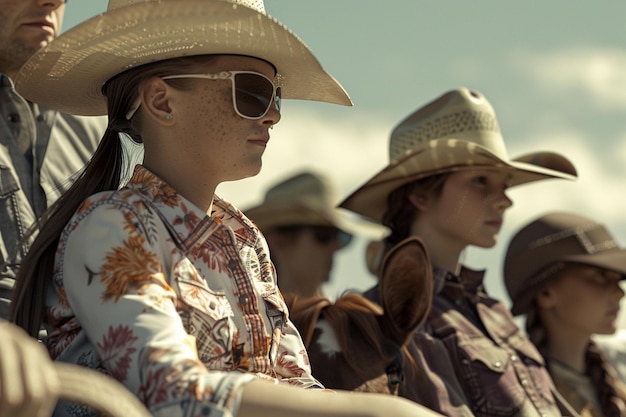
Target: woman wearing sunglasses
x,y
147,275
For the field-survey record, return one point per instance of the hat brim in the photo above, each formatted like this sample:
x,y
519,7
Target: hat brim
x,y
68,74
270,215
611,260
450,155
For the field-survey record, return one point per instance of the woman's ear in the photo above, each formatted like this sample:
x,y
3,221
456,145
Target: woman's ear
x,y
155,97
546,298
420,202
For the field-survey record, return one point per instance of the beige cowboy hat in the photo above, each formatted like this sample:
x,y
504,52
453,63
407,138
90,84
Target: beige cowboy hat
x,y
69,73
457,131
540,248
307,198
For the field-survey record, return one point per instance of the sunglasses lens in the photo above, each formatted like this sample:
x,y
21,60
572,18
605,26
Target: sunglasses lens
x,y
325,235
344,239
253,95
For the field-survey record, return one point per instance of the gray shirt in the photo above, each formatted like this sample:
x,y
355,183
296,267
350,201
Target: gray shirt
x,y
41,152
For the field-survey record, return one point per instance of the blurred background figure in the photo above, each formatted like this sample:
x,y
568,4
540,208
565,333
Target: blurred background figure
x,y
563,271
41,150
304,230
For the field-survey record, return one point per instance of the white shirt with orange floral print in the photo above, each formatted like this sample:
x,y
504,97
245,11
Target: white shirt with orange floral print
x,y
180,307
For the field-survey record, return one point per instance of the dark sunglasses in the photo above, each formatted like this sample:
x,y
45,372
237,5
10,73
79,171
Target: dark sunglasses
x,y
327,234
253,93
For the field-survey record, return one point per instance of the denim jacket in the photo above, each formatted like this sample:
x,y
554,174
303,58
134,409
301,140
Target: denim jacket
x,y
472,359
57,147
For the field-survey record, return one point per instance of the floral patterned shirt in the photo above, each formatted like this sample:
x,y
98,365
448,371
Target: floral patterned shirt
x,y
179,306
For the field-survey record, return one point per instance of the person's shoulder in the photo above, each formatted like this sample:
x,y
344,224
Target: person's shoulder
x,y
123,200
93,125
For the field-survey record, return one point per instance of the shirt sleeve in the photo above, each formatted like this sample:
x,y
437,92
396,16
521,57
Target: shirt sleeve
x,y
293,361
115,284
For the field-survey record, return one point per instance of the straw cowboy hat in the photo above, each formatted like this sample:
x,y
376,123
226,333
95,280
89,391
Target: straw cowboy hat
x,y
308,199
69,73
545,245
457,131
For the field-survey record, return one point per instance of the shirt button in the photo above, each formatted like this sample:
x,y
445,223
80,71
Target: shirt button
x,y
524,382
14,118
513,358
498,364
232,264
243,299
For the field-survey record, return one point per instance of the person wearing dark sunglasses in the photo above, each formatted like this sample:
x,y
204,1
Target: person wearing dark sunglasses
x,y
148,276
304,231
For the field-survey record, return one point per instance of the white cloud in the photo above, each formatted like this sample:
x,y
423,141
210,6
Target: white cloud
x,y
600,73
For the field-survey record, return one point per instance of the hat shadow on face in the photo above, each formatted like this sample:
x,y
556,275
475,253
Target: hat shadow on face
x,y
551,241
457,131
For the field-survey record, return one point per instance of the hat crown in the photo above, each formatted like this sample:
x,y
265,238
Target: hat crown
x,y
307,187
257,5
460,114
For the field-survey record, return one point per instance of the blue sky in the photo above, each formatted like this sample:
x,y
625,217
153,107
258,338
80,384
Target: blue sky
x,y
554,71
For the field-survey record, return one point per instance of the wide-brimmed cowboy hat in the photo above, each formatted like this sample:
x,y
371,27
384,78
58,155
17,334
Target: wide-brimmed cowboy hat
x,y
457,131
308,199
68,74
550,242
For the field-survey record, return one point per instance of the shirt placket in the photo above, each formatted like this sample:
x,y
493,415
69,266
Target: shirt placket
x,y
522,370
247,303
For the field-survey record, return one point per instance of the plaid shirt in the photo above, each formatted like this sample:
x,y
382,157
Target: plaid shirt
x,y
473,360
179,306
40,151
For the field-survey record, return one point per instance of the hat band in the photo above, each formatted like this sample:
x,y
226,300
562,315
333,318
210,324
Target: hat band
x,y
582,234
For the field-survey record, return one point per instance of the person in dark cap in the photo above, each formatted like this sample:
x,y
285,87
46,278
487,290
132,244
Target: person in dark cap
x,y
563,271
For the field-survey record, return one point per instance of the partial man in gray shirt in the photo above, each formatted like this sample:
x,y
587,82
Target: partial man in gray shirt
x,y
41,150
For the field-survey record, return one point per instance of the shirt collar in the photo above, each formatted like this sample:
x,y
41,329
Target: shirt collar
x,y
191,224
468,284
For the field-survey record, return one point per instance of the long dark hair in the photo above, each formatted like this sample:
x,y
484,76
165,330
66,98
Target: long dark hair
x,y
400,213
106,171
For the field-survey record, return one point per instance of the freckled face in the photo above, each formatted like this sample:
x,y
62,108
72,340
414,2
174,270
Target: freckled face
x,y
219,141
